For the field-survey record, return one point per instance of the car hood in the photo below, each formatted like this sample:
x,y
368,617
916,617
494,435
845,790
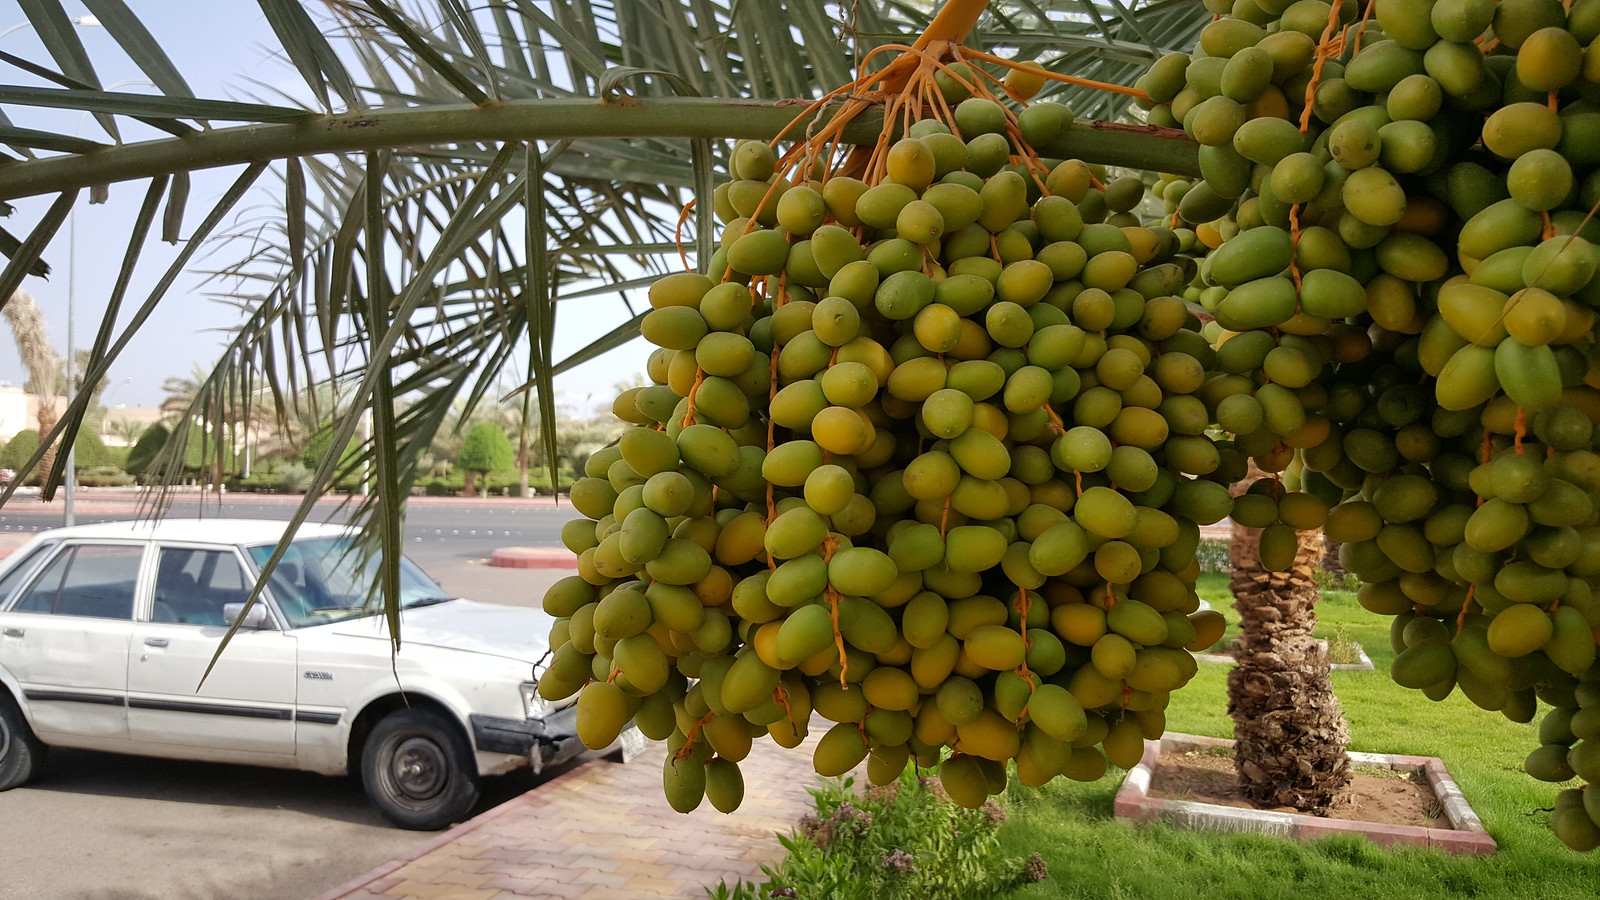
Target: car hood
x,y
514,632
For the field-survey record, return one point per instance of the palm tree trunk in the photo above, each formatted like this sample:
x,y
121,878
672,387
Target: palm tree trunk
x,y
46,419
1289,732
43,365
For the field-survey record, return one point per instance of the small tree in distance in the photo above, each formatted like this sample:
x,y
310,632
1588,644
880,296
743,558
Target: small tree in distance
x,y
145,450
320,444
485,450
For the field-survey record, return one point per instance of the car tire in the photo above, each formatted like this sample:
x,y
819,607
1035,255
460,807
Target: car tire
x,y
418,770
22,755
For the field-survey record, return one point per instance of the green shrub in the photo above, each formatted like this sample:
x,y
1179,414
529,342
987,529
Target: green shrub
x,y
318,444
259,482
203,450
20,449
89,452
1213,555
104,476
147,448
1342,650
1335,581
293,478
501,483
904,840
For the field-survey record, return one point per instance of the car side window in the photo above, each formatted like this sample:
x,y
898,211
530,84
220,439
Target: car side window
x,y
18,573
193,585
94,580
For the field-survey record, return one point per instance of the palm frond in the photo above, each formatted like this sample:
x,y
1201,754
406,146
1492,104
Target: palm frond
x,y
472,174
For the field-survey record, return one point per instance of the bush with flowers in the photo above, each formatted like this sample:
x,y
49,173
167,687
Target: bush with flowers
x,y
902,840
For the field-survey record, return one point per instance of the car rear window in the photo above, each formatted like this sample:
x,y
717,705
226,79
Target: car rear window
x,y
94,580
19,572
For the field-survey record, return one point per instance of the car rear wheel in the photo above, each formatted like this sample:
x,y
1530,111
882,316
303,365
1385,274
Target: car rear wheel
x,y
21,754
418,770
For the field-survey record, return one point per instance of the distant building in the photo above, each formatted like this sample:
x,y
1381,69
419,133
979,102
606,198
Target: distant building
x,y
122,425
19,411
14,411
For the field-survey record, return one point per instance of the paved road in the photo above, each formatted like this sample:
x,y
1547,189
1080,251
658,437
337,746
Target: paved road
x,y
446,525
112,827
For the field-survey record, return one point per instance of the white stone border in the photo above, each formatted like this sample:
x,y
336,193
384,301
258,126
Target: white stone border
x,y
1363,662
1465,836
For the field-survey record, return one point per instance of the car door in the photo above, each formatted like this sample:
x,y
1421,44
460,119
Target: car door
x,y
65,639
245,706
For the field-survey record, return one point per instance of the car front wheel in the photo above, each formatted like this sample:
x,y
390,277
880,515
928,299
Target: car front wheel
x,y
21,754
419,771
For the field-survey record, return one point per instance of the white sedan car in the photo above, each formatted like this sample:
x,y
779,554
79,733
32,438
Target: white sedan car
x,y
106,633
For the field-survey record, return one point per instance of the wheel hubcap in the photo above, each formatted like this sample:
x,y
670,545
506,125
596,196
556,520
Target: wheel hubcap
x,y
419,769
5,739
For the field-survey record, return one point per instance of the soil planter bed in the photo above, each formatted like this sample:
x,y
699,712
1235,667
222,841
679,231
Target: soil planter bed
x,y
1454,828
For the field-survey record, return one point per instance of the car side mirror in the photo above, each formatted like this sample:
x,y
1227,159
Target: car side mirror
x,y
256,617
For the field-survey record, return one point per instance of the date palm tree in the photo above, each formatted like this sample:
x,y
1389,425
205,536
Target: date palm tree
x,y
469,173
180,393
40,360
126,431
1288,728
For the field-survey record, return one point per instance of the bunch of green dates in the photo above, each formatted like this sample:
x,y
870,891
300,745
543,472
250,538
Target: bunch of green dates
x,y
925,457
1487,554
1415,265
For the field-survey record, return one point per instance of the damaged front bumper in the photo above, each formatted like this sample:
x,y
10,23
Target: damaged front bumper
x,y
545,742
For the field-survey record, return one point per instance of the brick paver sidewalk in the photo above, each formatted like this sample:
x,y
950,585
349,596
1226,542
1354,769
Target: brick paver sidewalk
x,y
605,831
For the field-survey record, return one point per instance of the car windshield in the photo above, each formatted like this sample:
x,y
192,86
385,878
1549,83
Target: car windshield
x,y
321,580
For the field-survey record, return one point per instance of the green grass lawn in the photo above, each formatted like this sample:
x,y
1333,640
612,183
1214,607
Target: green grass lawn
x,y
1091,855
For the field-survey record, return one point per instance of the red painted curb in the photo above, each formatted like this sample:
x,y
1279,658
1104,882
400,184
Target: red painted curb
x,y
533,558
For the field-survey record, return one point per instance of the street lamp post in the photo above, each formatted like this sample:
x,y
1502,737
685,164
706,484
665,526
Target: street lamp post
x,y
70,479
87,21
68,482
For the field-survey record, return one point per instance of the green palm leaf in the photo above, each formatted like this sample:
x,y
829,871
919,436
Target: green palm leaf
x,y
478,177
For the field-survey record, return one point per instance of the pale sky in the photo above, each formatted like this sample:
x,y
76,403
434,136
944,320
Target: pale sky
x,y
224,49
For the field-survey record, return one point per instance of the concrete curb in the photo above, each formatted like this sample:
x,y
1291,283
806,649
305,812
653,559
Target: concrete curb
x,y
1466,836
533,558
1363,661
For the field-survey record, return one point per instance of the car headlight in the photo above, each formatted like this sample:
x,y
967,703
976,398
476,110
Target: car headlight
x,y
533,705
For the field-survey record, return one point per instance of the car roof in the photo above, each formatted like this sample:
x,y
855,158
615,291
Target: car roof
x,y
197,530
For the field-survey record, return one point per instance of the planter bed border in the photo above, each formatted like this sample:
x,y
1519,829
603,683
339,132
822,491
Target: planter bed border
x,y
1363,662
1466,835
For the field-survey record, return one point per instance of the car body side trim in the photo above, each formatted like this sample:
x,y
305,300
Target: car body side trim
x,y
73,697
248,712
316,718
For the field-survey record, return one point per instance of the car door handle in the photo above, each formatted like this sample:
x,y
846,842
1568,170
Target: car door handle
x,y
12,631
155,642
